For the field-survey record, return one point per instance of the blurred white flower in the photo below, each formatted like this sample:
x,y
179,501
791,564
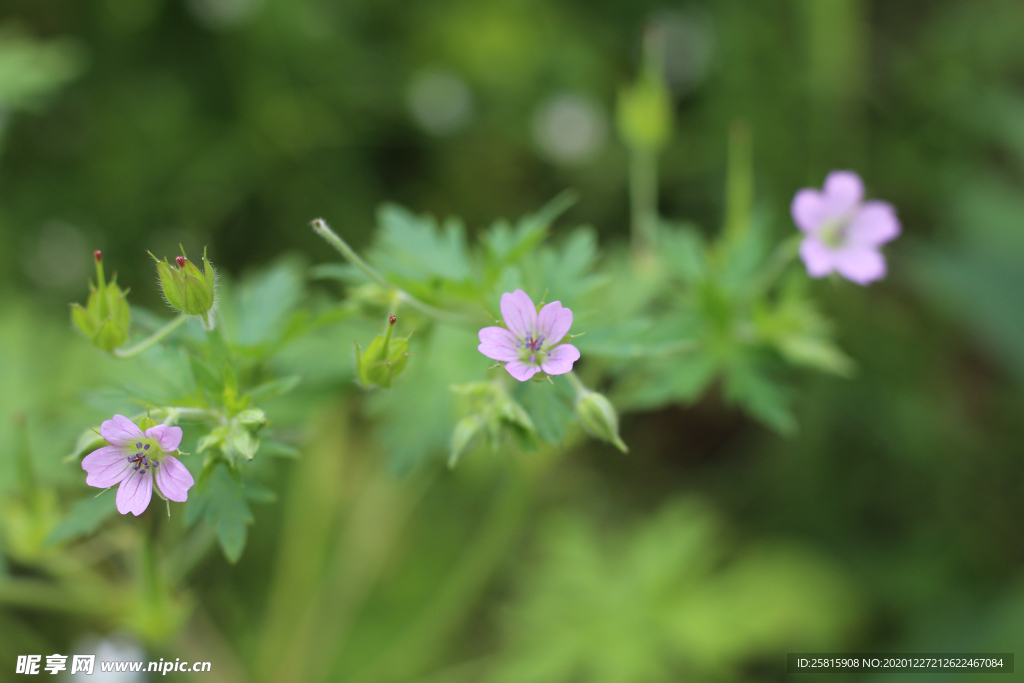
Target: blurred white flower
x,y
118,648
440,101
569,129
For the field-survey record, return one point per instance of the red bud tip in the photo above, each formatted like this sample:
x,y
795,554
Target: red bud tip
x,y
392,320
98,255
180,261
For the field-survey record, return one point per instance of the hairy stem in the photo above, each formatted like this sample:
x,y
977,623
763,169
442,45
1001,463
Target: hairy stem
x,y
133,351
643,199
321,228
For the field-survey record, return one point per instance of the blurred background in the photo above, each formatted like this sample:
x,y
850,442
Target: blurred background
x,y
892,521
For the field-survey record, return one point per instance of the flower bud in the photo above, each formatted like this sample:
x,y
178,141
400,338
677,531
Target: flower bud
x,y
188,289
106,315
599,418
384,359
644,111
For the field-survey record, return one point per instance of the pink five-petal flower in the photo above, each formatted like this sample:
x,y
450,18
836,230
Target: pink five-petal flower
x,y
532,341
843,233
133,459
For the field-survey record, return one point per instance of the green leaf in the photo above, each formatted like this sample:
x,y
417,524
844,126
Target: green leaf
x,y
549,407
267,300
277,387
206,376
85,517
761,396
88,441
222,505
270,447
413,247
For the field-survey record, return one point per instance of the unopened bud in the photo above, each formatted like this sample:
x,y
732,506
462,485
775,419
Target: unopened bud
x,y
106,316
598,417
188,289
384,359
644,112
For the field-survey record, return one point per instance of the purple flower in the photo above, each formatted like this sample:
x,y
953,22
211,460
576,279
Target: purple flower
x,y
134,459
844,233
530,344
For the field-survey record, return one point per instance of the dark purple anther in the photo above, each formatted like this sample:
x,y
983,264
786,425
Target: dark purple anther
x,y
146,447
138,445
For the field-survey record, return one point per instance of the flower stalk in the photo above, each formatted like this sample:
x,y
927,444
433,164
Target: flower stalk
x,y
153,339
321,228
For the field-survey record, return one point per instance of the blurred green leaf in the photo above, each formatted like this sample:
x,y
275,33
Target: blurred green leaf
x,y
85,517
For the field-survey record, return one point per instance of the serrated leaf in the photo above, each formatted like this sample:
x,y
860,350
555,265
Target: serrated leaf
x,y
414,248
85,517
222,505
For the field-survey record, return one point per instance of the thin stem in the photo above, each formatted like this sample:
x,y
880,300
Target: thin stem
x,y
321,228
581,390
643,198
133,351
780,258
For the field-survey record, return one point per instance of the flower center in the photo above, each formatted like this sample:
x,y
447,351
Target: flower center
x,y
833,232
147,453
531,350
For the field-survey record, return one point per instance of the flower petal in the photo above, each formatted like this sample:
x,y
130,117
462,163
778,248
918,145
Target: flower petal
x,y
498,343
174,479
521,371
817,257
135,492
168,437
808,210
843,191
560,359
519,313
106,466
860,264
874,225
553,322
120,431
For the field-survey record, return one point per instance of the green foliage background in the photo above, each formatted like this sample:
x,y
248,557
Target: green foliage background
x,y
890,519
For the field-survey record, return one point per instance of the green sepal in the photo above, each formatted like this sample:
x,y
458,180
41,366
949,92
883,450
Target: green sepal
x,y
465,433
598,417
384,359
187,288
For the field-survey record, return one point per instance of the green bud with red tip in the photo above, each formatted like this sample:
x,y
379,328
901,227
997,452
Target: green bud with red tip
x,y
105,318
384,359
188,289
